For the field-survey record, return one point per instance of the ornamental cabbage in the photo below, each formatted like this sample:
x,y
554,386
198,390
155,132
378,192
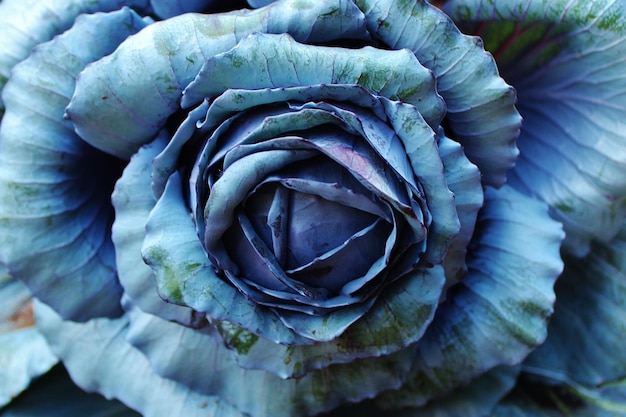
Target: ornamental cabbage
x,y
293,208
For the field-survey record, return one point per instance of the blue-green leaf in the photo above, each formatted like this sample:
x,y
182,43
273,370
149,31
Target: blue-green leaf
x,y
98,358
422,149
271,61
397,320
161,61
54,188
473,400
212,370
586,335
133,200
26,23
464,180
565,58
498,313
480,106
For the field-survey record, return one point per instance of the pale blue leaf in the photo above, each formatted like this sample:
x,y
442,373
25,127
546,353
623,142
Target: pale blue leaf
x,y
259,3
234,101
271,61
464,180
26,23
55,189
586,335
55,395
498,313
211,369
24,353
166,9
161,61
480,105
565,58
99,359
133,200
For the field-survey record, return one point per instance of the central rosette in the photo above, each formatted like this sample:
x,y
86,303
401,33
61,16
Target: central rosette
x,y
308,206
311,188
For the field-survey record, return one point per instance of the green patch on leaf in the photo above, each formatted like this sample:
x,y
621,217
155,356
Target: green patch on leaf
x,y
333,12
238,61
237,338
172,274
613,21
564,207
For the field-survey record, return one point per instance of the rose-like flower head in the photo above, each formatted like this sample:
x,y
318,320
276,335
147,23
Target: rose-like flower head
x,y
305,220
304,196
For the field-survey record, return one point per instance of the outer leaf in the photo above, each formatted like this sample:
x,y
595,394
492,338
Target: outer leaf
x,y
133,200
498,313
464,180
55,395
565,58
272,61
533,399
24,354
161,61
590,310
476,399
211,369
26,23
54,188
103,339
480,106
